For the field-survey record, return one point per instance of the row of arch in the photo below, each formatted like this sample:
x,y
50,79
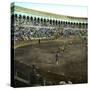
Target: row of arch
x,y
52,22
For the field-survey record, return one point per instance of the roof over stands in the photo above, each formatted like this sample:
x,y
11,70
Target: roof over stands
x,y
40,14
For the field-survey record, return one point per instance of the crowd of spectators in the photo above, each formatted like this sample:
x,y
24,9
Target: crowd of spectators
x,y
26,28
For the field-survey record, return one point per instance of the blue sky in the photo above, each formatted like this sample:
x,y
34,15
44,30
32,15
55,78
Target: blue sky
x,y
78,11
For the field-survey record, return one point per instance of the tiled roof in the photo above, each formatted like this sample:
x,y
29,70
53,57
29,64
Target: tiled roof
x,y
41,14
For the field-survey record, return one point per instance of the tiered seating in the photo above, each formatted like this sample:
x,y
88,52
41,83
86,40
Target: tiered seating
x,y
26,28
